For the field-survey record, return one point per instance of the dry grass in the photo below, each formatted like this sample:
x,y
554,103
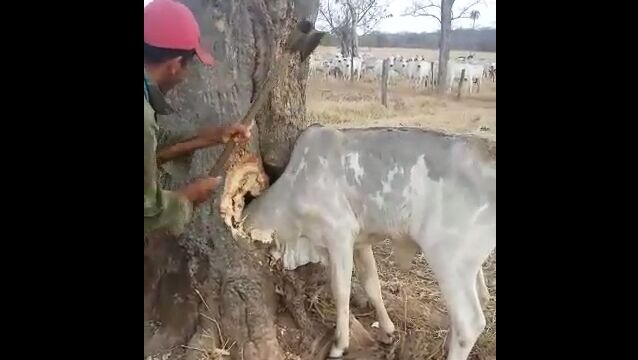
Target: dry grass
x,y
414,303
343,104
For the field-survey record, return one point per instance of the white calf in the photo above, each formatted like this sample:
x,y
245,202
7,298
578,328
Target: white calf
x,y
345,189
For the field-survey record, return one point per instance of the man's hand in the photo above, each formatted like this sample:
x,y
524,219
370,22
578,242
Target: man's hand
x,y
200,190
214,135
237,132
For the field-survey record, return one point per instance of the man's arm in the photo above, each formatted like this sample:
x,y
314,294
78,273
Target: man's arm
x,y
180,149
162,209
205,137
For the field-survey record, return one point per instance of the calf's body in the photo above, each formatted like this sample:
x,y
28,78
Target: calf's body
x,y
345,189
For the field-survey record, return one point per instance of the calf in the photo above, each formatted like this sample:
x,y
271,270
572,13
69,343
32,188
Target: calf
x,y
343,190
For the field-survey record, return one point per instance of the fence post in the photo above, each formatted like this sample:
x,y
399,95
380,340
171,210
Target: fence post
x,y
352,65
384,82
461,83
431,84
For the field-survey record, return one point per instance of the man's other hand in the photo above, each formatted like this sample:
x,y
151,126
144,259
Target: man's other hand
x,y
200,190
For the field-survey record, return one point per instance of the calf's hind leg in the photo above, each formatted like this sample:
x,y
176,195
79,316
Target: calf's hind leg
x,y
456,267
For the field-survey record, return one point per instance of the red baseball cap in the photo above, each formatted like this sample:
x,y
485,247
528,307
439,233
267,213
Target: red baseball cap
x,y
169,24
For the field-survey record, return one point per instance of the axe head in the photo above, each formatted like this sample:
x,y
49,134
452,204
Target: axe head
x,y
305,26
304,39
310,44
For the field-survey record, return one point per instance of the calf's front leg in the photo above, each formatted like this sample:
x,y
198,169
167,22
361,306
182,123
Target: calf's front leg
x,y
341,263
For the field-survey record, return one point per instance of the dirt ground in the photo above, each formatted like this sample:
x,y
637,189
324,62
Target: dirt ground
x,y
413,298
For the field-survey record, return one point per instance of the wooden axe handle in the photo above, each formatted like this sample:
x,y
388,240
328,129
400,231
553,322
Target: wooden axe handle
x,y
260,100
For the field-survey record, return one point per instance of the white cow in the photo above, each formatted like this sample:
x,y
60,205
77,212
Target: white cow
x,y
401,65
338,67
412,70
344,190
423,76
393,73
473,73
369,66
324,68
492,71
356,61
475,76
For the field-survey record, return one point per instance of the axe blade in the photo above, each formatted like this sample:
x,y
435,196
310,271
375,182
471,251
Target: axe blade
x,y
310,44
305,26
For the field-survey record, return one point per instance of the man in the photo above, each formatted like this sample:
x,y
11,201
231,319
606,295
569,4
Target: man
x,y
171,40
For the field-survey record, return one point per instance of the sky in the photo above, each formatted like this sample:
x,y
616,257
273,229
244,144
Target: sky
x,y
398,23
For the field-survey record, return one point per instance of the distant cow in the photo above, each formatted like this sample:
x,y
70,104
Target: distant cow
x,y
345,190
423,75
473,74
356,61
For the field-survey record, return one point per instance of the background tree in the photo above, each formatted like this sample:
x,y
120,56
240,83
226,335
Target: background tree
x,y
481,39
474,15
347,19
441,11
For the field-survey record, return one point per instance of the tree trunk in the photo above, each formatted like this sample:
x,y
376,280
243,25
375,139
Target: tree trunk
x,y
206,287
347,45
344,33
353,30
444,43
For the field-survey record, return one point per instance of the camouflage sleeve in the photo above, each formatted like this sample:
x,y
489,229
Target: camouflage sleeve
x,y
167,137
162,209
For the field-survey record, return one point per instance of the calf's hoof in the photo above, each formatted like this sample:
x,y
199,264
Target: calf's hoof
x,y
336,353
387,338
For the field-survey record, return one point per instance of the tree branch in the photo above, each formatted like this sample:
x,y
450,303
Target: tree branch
x,y
327,19
464,14
371,28
418,9
364,12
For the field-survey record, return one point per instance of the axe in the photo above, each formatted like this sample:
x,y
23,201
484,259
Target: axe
x,y
303,39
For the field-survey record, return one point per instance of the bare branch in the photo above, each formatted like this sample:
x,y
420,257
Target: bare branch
x,y
427,9
327,19
431,9
370,28
364,12
464,11
431,15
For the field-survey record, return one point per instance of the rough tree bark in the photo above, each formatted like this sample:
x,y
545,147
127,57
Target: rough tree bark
x,y
444,43
206,285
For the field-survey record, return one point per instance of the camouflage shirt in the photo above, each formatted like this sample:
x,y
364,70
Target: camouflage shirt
x,y
163,209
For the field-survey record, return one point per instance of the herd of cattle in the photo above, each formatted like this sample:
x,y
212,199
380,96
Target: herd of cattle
x,y
417,70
